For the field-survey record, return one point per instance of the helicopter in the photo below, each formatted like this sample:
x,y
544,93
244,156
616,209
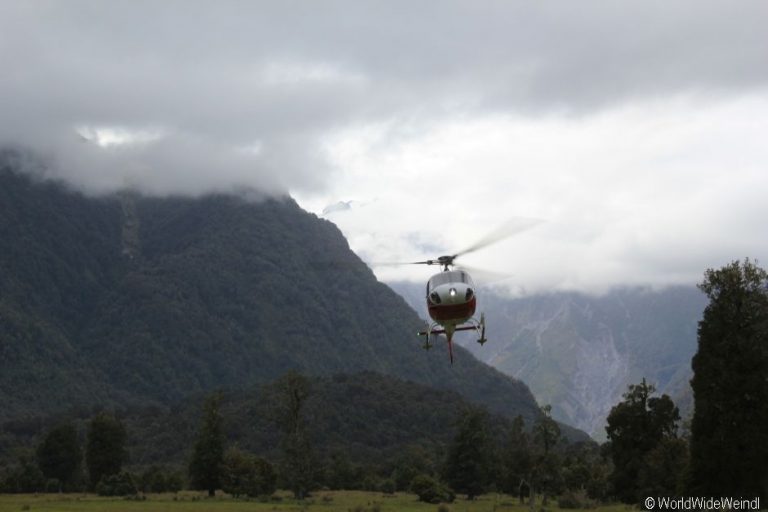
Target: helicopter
x,y
451,302
451,294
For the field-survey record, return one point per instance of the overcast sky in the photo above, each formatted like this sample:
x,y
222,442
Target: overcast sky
x,y
635,130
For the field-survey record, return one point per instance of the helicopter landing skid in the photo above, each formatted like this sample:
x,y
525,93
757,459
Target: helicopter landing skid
x,y
433,330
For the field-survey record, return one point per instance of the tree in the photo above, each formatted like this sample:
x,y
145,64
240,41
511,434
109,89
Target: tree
x,y
158,479
430,490
205,468
340,473
517,461
105,450
412,461
469,456
25,477
546,465
244,474
59,456
298,467
636,426
664,469
119,484
729,429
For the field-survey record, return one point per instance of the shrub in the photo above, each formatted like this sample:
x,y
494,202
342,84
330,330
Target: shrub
x,y
159,479
244,474
430,490
121,484
388,486
575,499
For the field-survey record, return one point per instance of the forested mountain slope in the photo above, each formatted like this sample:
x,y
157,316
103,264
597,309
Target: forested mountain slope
x,y
127,300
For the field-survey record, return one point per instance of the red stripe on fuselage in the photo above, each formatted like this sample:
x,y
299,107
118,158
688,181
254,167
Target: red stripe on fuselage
x,y
452,312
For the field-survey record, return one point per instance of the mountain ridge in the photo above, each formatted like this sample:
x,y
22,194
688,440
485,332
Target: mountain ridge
x,y
173,296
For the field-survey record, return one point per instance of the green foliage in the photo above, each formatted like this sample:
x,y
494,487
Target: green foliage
x,y
665,469
729,430
205,468
469,455
637,426
24,477
545,469
158,479
388,486
59,456
298,468
340,473
430,490
245,475
517,460
586,467
117,484
105,450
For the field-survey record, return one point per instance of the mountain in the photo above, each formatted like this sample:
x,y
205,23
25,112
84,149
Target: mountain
x,y
579,352
132,301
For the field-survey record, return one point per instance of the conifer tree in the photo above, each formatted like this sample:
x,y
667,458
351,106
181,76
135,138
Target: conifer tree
x,y
729,430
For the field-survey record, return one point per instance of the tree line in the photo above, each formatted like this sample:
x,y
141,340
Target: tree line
x,y
721,451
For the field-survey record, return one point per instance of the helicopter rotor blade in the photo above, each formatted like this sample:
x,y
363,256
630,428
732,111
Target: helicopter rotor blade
x,y
400,263
484,276
510,228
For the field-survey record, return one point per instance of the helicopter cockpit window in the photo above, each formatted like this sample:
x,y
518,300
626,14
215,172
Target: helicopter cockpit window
x,y
437,280
452,276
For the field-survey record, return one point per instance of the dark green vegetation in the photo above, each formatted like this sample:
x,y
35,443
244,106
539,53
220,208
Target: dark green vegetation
x,y
641,429
729,432
129,301
726,451
364,431
205,468
59,456
468,464
299,465
105,451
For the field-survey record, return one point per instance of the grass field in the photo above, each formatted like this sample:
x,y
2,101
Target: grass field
x,y
327,501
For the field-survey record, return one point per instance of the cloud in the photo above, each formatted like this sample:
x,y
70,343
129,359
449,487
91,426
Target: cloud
x,y
650,194
216,79
632,127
